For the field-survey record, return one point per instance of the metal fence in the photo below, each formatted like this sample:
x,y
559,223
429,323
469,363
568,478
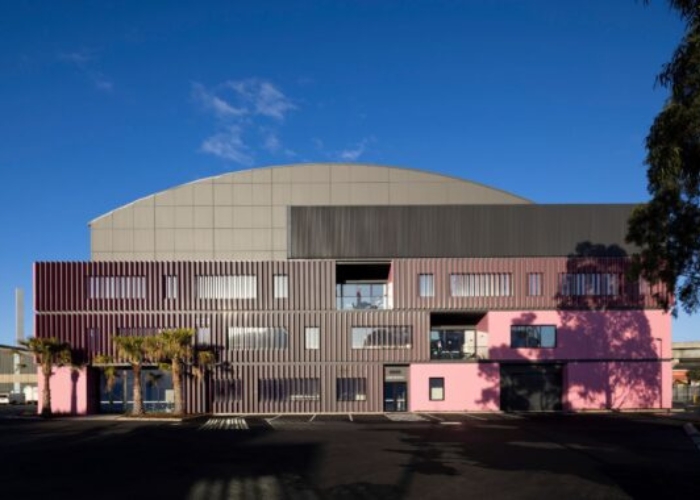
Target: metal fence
x,y
686,394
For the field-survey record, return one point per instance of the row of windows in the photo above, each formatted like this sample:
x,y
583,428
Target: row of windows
x,y
309,389
208,287
365,296
444,343
500,284
291,389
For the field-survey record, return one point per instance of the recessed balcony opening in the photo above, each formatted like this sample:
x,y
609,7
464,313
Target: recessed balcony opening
x,y
363,285
454,336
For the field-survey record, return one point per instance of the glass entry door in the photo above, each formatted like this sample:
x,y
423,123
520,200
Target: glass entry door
x,y
395,396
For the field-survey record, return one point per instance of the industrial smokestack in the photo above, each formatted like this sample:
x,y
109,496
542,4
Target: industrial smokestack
x,y
19,336
19,314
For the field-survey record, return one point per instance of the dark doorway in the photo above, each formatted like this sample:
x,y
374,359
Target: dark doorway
x,y
531,387
395,396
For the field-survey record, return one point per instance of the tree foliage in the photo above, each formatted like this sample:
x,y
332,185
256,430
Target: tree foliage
x,y
175,350
136,352
667,229
109,370
48,352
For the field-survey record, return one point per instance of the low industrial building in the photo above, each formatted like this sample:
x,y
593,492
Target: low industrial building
x,y
363,288
18,372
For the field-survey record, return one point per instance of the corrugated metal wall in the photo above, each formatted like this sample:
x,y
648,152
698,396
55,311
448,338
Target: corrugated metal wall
x,y
65,311
363,232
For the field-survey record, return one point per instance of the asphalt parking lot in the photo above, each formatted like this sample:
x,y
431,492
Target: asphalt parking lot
x,y
345,457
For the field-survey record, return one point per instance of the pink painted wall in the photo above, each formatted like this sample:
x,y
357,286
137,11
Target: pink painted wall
x,y
583,337
613,336
68,391
616,386
630,334
468,387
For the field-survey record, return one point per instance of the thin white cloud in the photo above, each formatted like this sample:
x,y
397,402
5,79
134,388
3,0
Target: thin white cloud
x,y
212,102
78,58
352,154
101,82
272,142
229,145
241,106
261,97
84,61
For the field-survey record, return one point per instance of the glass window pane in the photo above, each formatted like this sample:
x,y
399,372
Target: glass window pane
x,y
426,287
312,337
281,286
533,336
437,389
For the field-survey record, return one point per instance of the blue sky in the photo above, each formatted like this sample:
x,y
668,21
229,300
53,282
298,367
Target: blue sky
x,y
105,102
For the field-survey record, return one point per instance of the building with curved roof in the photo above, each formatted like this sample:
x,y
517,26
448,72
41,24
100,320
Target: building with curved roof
x,y
362,288
243,215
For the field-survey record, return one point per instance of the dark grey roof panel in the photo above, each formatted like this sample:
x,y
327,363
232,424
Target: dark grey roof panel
x,y
458,231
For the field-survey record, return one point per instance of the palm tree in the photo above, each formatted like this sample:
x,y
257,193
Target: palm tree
x,y
135,351
174,350
110,373
48,352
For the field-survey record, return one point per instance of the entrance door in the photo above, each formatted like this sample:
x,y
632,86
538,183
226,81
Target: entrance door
x,y
532,387
395,396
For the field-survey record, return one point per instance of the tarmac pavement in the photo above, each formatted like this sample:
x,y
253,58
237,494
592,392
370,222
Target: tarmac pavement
x,y
351,456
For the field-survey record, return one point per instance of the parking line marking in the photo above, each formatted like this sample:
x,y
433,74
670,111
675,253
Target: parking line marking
x,y
312,418
350,417
474,417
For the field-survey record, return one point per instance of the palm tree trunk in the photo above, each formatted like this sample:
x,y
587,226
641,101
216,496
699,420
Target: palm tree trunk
x,y
177,386
138,396
46,390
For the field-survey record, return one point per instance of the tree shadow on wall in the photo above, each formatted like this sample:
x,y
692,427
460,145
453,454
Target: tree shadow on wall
x,y
606,351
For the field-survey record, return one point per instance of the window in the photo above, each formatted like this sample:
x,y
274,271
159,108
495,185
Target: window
x,y
170,287
116,287
534,284
289,389
362,296
377,337
312,337
426,285
203,336
227,287
480,285
536,336
351,389
226,391
281,285
437,388
583,284
257,337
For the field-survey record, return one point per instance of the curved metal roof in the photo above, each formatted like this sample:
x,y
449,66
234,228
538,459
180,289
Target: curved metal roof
x,y
360,173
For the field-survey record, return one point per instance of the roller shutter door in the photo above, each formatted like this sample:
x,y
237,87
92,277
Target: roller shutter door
x,y
531,387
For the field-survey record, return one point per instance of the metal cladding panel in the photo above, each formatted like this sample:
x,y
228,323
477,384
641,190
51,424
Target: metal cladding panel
x,y
406,273
65,311
248,399
63,286
366,232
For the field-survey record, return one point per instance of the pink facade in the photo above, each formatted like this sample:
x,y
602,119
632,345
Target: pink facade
x,y
468,387
69,391
609,359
